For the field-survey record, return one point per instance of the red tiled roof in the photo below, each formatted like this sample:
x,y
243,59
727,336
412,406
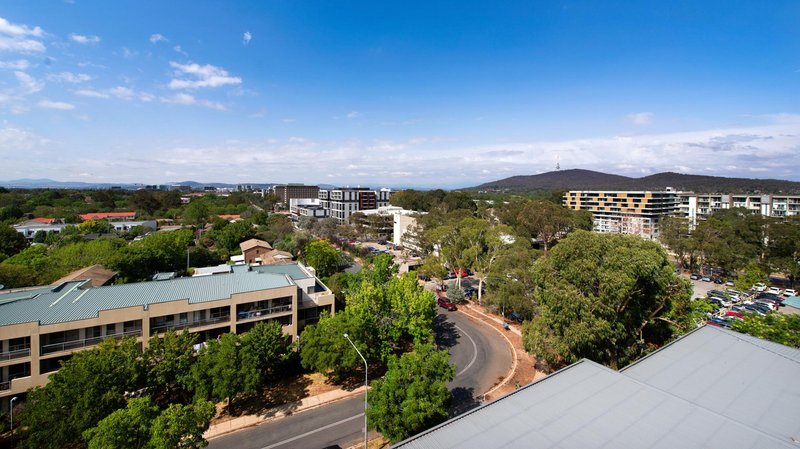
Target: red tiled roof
x,y
107,215
44,220
229,216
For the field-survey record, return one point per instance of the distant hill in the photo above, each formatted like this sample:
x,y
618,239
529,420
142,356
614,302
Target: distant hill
x,y
578,179
45,183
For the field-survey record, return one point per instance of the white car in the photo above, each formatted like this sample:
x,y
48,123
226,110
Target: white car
x,y
789,292
774,291
760,287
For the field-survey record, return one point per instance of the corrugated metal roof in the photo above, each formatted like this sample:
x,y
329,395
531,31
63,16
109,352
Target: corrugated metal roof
x,y
733,374
68,302
682,396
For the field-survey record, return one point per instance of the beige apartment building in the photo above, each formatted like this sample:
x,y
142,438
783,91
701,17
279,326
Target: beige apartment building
x,y
636,213
40,327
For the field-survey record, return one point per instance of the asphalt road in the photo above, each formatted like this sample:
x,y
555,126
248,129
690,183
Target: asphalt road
x,y
481,357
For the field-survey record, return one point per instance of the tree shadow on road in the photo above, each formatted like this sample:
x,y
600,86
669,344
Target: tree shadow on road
x,y
463,400
446,333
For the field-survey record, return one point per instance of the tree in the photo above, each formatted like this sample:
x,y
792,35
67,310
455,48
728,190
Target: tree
x,y
182,426
197,213
140,425
87,388
778,327
168,362
413,395
11,241
323,257
783,248
217,373
162,251
95,227
751,275
675,233
605,297
548,222
15,276
264,349
125,428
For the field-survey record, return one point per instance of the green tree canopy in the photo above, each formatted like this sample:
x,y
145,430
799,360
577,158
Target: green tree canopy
x,y
87,388
778,327
323,257
11,241
605,297
412,396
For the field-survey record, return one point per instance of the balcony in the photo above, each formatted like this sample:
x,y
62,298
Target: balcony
x,y
6,385
77,344
185,324
247,314
15,353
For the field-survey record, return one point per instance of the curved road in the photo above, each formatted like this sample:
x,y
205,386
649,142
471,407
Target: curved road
x,y
481,356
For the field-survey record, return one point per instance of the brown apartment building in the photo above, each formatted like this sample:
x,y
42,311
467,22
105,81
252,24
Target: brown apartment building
x,y
43,326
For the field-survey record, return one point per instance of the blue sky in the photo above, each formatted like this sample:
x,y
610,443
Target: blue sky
x,y
428,94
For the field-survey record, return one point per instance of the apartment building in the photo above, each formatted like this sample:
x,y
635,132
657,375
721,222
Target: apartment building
x,y
698,206
40,327
306,207
635,213
392,223
342,202
287,192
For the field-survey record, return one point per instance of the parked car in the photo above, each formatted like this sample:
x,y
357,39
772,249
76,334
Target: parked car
x,y
789,292
775,291
719,281
733,313
514,316
695,277
423,277
469,291
706,279
771,304
446,304
760,287
459,273
729,283
719,322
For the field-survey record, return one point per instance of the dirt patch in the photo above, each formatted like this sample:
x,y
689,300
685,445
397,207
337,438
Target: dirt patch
x,y
284,391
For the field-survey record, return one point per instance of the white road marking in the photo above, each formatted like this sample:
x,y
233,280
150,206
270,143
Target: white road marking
x,y
297,437
474,352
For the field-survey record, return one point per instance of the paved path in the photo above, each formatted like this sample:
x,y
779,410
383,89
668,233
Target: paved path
x,y
482,359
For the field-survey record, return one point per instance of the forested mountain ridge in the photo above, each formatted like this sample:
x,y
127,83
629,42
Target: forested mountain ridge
x,y
578,179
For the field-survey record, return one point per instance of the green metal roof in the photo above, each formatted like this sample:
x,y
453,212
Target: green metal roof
x,y
69,302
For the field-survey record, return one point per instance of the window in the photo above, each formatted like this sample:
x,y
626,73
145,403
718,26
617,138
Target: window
x,y
111,329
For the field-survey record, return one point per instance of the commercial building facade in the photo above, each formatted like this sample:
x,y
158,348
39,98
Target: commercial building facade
x,y
636,213
41,327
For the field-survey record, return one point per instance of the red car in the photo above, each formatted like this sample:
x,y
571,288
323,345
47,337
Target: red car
x,y
447,305
459,273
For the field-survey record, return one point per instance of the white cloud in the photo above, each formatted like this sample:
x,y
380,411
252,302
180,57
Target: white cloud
x,y
19,64
205,76
69,77
156,38
20,38
91,93
640,118
187,99
353,114
18,139
178,49
247,37
12,29
82,39
127,53
28,84
58,105
120,92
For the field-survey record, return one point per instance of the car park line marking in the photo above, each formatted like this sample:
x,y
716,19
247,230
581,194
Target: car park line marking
x,y
320,429
474,352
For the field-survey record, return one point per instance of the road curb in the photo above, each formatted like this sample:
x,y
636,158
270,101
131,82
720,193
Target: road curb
x,y
311,403
514,362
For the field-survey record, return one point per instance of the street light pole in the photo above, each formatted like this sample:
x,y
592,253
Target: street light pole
x,y
366,386
11,411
